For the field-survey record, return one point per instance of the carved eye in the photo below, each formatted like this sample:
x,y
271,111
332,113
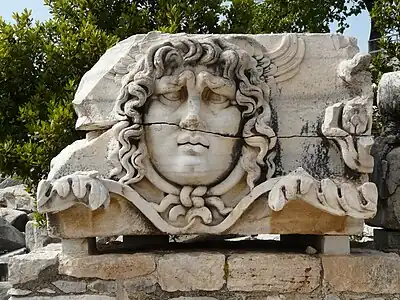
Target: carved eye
x,y
217,101
173,96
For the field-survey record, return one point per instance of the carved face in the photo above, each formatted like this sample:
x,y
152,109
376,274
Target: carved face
x,y
192,127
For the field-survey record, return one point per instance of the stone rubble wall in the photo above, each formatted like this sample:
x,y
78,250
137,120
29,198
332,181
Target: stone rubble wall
x,y
46,274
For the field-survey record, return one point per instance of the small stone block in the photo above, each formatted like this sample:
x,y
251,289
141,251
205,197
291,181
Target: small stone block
x,y
386,239
70,287
279,273
334,245
77,247
191,272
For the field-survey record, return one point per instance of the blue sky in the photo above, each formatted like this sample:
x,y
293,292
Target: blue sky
x,y
359,25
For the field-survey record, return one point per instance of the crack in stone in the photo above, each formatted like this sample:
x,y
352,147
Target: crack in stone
x,y
237,136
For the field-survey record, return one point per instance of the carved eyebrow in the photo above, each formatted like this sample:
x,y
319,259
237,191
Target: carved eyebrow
x,y
217,84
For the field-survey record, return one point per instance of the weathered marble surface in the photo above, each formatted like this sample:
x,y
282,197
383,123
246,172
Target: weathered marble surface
x,y
194,131
386,152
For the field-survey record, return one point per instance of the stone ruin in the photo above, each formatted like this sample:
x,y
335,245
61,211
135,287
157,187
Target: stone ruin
x,y
214,136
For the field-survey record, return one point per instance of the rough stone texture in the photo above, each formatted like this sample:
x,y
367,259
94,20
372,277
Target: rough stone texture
x,y
10,237
375,274
36,237
23,268
273,272
16,197
70,287
16,218
4,287
102,286
77,297
386,152
386,239
19,292
194,298
335,245
140,284
188,272
108,266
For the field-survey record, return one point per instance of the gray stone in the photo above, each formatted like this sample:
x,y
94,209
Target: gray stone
x,y
16,218
24,268
10,237
386,239
8,182
102,287
386,152
190,272
18,292
6,257
16,197
46,291
332,244
145,284
37,237
70,287
4,287
281,273
194,298
69,297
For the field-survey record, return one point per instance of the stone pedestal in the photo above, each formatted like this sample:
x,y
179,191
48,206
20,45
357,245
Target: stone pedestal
x,y
200,275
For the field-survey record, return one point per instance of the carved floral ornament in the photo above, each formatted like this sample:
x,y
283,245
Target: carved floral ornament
x,y
194,124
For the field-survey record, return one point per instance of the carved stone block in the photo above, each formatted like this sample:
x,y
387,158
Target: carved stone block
x,y
217,134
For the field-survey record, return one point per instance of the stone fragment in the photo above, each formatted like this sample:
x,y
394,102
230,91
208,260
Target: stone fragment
x,y
24,268
10,237
8,182
5,286
194,298
67,297
46,291
332,244
145,284
375,274
70,287
108,266
16,197
282,273
4,258
18,292
188,272
102,287
36,237
16,218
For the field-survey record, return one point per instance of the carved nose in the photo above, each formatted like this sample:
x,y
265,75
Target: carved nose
x,y
191,121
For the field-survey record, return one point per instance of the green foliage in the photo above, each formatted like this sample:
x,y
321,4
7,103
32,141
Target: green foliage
x,y
386,15
268,16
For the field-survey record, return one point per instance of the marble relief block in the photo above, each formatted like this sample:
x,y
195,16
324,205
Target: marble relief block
x,y
216,134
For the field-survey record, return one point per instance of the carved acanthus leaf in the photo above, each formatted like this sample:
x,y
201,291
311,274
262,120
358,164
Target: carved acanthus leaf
x,y
61,194
341,200
355,146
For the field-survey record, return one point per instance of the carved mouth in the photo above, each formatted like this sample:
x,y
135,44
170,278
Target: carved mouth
x,y
194,144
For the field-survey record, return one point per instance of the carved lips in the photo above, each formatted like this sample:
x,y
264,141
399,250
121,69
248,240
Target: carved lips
x,y
193,143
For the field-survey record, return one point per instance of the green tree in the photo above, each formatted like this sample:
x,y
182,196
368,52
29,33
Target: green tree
x,y
42,63
386,17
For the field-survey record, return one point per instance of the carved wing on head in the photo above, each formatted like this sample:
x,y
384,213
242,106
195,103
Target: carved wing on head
x,y
286,58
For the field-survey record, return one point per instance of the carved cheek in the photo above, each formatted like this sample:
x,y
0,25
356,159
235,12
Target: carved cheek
x,y
226,121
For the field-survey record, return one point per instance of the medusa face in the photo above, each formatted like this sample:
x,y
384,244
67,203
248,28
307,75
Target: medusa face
x,y
192,126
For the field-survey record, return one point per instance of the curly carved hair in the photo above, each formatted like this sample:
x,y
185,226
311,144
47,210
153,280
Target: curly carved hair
x,y
226,60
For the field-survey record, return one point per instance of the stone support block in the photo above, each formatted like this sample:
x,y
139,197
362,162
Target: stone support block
x,y
78,247
363,273
108,266
282,273
334,244
191,271
27,267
